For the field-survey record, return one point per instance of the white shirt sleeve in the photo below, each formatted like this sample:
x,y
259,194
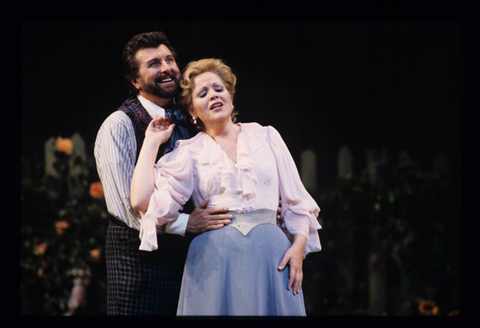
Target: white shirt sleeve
x,y
179,226
115,156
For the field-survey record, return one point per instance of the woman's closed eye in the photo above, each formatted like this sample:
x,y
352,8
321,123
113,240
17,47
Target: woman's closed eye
x,y
203,92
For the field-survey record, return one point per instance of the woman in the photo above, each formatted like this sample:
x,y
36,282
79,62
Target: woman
x,y
238,269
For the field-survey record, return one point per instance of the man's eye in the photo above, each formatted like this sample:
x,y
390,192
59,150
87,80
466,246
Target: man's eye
x,y
153,64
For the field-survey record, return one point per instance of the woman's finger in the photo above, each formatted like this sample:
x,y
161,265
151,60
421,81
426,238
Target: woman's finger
x,y
298,283
293,273
284,262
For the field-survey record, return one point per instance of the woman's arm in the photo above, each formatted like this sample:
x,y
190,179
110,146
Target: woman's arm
x,y
157,133
299,211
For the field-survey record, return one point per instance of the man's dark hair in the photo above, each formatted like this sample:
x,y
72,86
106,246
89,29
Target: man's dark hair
x,y
141,41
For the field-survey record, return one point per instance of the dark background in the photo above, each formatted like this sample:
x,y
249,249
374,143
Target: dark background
x,y
393,85
321,84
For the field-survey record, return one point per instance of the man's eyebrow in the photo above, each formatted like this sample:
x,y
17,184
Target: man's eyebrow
x,y
152,60
156,59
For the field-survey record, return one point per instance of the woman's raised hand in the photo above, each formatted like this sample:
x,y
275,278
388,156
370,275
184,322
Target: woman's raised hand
x,y
159,130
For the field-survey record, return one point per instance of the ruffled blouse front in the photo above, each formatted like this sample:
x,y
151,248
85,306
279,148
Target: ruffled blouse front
x,y
263,171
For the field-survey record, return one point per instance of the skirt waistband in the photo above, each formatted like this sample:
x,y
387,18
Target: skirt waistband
x,y
244,222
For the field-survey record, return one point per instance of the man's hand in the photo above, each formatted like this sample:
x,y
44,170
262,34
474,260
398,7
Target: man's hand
x,y
203,219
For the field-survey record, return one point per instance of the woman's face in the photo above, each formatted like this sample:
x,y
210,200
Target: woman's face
x,y
212,102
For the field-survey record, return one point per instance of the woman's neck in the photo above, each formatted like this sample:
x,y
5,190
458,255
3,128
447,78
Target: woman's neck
x,y
226,137
223,131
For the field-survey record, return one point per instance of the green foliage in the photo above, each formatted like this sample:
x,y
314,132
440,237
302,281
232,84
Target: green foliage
x,y
404,225
63,231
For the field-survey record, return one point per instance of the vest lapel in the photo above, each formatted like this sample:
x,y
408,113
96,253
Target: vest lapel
x,y
140,120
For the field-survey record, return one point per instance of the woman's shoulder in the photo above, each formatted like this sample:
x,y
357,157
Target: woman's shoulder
x,y
253,127
256,128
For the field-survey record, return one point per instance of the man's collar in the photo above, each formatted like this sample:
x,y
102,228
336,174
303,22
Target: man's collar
x,y
153,109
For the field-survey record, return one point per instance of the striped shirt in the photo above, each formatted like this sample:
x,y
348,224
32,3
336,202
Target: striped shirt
x,y
115,154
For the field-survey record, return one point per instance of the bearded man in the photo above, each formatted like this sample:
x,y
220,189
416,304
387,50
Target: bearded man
x,y
139,282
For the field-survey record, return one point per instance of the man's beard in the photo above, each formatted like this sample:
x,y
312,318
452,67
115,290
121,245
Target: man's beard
x,y
156,88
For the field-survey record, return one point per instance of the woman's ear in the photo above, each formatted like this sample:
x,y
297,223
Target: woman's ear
x,y
191,112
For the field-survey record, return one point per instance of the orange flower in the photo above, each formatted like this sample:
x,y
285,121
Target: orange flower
x,y
96,190
61,227
96,254
428,308
64,145
40,249
41,274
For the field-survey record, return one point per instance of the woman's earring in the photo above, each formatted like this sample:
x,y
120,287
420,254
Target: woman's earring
x,y
194,120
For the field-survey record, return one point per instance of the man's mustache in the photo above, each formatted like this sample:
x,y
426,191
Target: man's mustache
x,y
164,76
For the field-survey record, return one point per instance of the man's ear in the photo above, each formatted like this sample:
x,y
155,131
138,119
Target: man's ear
x,y
136,84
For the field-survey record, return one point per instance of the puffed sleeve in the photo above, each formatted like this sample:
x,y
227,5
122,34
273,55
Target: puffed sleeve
x,y
173,187
299,209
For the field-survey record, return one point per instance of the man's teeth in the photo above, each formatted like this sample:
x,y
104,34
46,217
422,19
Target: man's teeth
x,y
166,80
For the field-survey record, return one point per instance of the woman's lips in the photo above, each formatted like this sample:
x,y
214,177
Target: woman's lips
x,y
216,106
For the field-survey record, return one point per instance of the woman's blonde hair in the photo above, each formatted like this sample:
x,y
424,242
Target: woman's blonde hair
x,y
195,68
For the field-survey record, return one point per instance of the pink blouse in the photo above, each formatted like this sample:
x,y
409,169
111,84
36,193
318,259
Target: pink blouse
x,y
264,171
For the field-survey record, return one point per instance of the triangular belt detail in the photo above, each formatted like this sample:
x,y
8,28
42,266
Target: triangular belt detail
x,y
245,222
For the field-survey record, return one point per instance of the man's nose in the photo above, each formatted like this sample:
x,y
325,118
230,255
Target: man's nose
x,y
165,67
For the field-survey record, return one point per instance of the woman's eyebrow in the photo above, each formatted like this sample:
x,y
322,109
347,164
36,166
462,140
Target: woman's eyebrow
x,y
201,89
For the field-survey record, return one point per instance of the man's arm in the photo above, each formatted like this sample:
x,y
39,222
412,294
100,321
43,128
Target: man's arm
x,y
115,152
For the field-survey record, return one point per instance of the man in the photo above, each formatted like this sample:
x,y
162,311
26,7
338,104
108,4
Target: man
x,y
139,282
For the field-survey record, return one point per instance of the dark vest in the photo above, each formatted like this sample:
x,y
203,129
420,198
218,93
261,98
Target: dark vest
x,y
140,120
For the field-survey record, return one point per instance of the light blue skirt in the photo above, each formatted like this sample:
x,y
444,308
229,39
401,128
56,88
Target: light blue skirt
x,y
229,274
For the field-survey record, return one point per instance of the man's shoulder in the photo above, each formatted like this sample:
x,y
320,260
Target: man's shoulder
x,y
121,114
116,125
117,118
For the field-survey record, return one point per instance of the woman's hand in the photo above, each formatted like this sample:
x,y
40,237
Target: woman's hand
x,y
294,258
159,130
